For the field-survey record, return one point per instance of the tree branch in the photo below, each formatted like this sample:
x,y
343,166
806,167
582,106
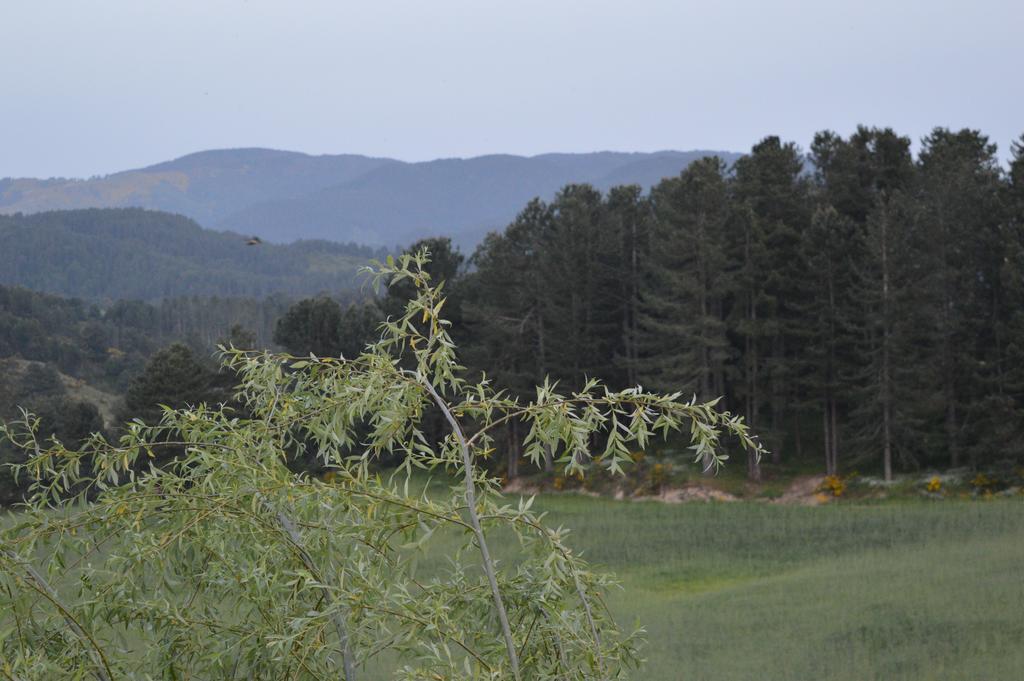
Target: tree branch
x,y
474,521
337,618
39,584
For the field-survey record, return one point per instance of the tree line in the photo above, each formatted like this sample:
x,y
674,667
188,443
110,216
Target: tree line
x,y
859,306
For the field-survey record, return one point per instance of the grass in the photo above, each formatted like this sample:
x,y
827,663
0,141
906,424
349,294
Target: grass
x,y
751,591
922,590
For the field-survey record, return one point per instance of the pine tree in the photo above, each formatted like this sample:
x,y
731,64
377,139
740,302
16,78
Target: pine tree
x,y
830,248
865,178
958,194
885,381
310,326
681,343
773,210
747,263
682,334
629,216
174,378
576,268
504,311
1002,428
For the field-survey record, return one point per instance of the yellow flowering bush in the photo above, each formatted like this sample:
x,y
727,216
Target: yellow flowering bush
x,y
834,485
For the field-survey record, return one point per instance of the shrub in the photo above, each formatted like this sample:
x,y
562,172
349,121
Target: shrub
x,y
834,485
224,563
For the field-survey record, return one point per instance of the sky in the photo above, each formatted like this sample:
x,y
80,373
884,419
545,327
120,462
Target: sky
x,y
96,86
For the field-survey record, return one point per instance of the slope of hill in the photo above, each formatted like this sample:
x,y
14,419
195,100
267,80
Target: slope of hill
x,y
133,253
285,196
206,186
13,372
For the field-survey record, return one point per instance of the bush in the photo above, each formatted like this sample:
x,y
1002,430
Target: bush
x,y
223,563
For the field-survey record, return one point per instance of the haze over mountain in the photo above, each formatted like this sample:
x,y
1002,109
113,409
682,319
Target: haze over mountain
x,y
285,196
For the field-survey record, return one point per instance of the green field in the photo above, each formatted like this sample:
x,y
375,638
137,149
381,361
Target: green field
x,y
751,591
759,592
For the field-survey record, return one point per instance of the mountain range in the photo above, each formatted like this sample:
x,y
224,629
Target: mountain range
x,y
284,196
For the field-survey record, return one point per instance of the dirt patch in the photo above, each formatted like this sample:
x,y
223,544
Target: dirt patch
x,y
805,491
694,493
106,403
520,486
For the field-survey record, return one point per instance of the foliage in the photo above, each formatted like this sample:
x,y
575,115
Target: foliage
x,y
319,326
863,309
62,415
106,346
173,378
310,326
109,254
224,563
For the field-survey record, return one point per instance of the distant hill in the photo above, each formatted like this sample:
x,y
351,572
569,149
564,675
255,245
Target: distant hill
x,y
107,254
207,186
286,196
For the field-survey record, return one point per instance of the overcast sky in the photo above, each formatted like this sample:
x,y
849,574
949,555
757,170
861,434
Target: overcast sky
x,y
91,87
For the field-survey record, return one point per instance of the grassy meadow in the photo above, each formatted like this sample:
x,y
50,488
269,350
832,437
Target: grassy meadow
x,y
752,591
922,590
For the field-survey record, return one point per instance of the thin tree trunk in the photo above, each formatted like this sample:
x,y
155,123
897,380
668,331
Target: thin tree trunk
x,y
753,467
886,443
39,584
474,521
513,449
798,439
338,618
835,439
951,429
777,388
886,343
634,303
549,464
948,356
828,440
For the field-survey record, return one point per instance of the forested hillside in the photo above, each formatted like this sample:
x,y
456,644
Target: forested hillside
x,y
868,314
286,196
111,254
105,347
863,310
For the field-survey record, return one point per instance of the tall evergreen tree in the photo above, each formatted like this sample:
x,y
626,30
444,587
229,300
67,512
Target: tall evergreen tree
x,y
959,233
629,215
830,247
683,345
505,312
577,269
865,178
174,378
774,210
310,326
1002,428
